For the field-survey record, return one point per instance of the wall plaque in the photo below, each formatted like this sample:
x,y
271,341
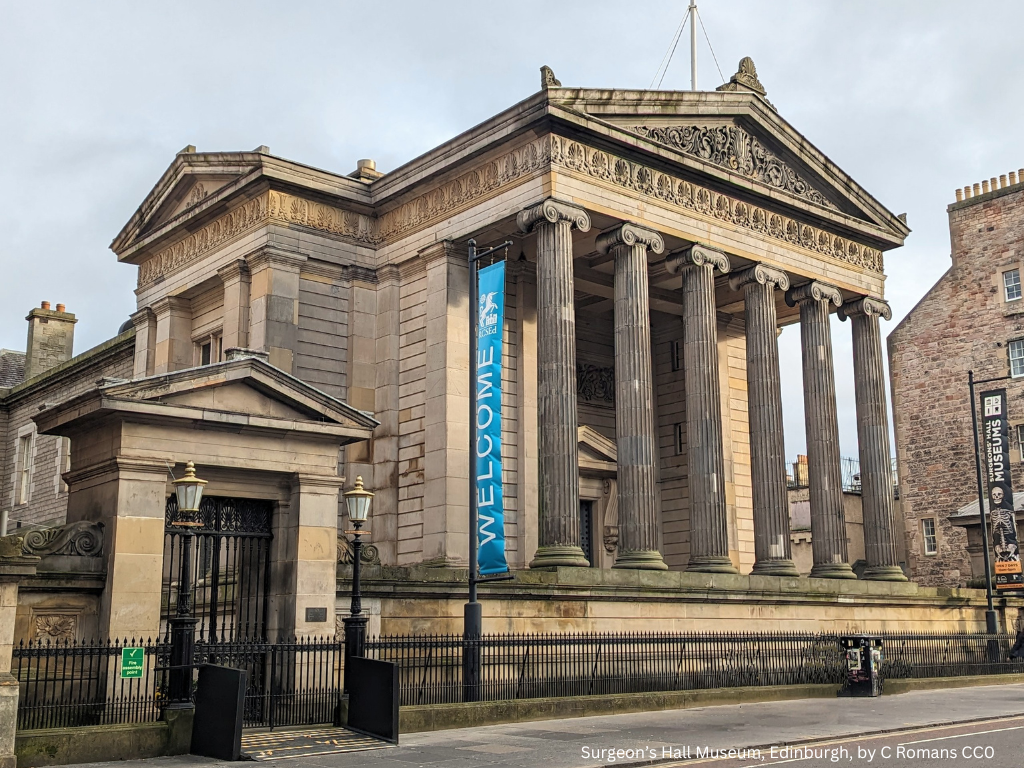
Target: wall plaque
x,y
316,614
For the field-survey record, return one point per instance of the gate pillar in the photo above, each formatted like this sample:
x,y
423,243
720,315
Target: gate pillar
x,y
14,566
304,571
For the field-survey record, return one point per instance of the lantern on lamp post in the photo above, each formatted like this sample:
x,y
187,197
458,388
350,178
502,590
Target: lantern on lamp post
x,y
358,503
189,492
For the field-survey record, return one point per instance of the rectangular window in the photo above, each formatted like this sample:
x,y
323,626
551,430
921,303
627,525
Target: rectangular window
x,y
677,355
24,468
209,349
205,353
1016,349
931,543
1011,284
679,438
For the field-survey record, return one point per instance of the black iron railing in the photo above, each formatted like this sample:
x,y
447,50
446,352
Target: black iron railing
x,y
299,682
68,684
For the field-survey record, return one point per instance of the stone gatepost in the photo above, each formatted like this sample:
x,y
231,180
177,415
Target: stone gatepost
x,y
14,567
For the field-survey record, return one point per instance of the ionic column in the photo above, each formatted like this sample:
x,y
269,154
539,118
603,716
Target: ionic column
x,y
559,539
873,439
772,547
709,534
635,437
828,525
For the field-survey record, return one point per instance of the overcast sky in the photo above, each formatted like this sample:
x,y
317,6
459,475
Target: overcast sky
x,y
912,99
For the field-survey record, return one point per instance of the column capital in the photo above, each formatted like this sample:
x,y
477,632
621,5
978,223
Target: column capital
x,y
143,317
760,273
233,270
697,255
628,233
273,256
552,211
169,304
866,306
814,291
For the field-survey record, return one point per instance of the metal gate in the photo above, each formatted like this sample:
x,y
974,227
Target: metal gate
x,y
230,568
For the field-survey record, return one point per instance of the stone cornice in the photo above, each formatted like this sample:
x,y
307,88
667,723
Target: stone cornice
x,y
814,291
698,256
707,203
867,306
552,211
549,152
629,234
760,273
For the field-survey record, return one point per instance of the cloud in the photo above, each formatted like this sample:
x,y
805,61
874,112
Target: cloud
x,y
909,98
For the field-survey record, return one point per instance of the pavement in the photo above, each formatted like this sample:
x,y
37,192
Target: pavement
x,y
892,731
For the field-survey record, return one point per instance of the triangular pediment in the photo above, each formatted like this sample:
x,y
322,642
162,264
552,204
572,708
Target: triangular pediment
x,y
193,182
247,387
593,446
734,139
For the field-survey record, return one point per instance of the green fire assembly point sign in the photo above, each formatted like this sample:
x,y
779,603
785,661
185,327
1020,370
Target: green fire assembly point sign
x,y
132,662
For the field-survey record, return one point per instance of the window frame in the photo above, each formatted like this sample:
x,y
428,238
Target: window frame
x,y
933,537
1010,357
1016,285
24,458
215,340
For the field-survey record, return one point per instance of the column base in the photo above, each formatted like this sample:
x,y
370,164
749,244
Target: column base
x,y
559,556
885,573
833,571
642,559
711,564
780,567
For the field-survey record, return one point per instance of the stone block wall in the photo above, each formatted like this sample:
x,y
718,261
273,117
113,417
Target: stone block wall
x,y
47,497
962,323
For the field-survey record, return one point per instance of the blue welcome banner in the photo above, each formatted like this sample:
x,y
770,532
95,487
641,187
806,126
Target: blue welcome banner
x,y
487,380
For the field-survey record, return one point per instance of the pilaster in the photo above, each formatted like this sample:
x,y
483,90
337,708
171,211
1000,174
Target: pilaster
x,y
709,537
173,349
145,342
772,549
636,470
274,304
235,277
559,539
828,524
876,478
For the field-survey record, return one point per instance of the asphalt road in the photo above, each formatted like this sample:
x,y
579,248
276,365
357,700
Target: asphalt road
x,y
995,743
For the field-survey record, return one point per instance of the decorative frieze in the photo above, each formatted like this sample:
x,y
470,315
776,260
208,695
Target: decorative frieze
x,y
732,148
627,174
483,181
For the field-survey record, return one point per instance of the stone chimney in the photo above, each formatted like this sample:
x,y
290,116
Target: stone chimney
x,y
51,336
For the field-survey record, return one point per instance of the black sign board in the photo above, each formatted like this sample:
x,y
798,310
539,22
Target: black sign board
x,y
373,698
1002,521
220,701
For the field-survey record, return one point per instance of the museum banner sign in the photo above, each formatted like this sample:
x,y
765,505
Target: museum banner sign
x,y
487,378
1002,521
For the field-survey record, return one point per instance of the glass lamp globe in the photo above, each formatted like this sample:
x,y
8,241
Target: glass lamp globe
x,y
189,490
358,502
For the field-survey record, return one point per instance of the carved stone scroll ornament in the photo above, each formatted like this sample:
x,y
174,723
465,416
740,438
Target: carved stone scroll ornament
x,y
553,211
865,306
58,626
734,149
81,539
697,255
760,273
548,79
368,553
814,291
630,234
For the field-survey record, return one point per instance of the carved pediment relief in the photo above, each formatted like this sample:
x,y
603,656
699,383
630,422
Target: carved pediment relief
x,y
733,148
190,190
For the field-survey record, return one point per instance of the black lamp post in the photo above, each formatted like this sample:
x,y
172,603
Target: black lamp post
x,y
189,490
358,502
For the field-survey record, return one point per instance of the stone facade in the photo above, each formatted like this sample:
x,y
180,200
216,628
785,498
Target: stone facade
x,y
653,235
964,322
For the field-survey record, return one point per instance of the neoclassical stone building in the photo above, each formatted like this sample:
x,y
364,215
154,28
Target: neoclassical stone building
x,y
660,239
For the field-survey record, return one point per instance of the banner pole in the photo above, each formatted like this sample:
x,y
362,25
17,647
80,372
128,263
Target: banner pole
x,y
473,618
991,624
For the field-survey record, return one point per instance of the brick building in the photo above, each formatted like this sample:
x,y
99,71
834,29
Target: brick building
x,y
971,319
